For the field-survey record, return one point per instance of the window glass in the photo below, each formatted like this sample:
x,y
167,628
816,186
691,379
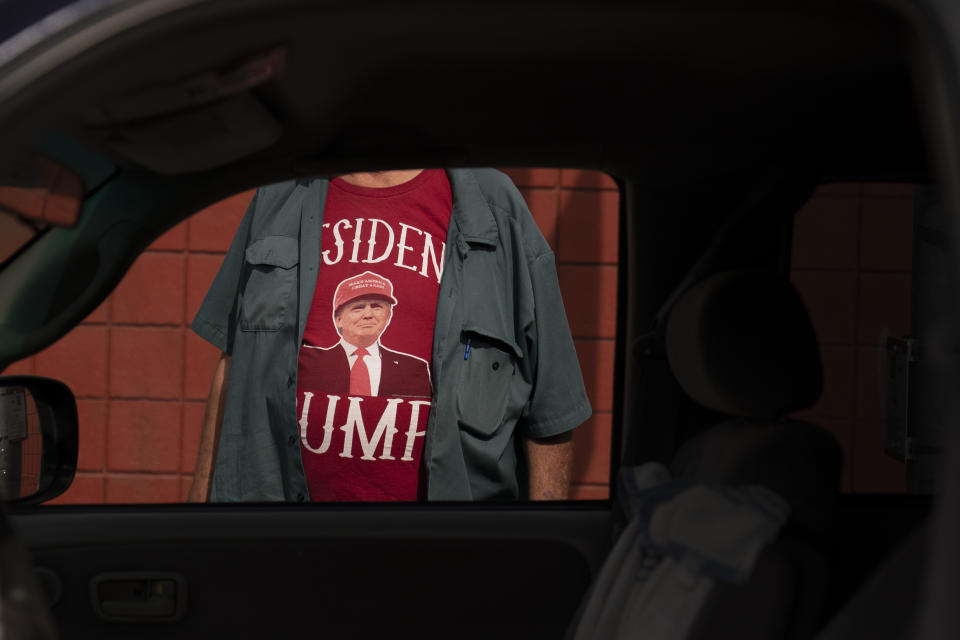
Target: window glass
x,y
142,377
852,263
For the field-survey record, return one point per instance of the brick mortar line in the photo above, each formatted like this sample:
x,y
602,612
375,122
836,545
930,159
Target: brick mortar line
x,y
849,422
854,380
150,399
806,414
889,196
145,325
184,347
142,472
571,189
871,196
558,216
848,343
107,399
591,190
168,475
570,263
861,193
185,252
854,270
126,398
612,265
853,345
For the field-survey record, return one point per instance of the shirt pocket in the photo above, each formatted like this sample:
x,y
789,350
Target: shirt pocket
x,y
486,379
268,295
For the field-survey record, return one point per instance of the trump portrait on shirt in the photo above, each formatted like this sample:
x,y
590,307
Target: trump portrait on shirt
x,y
359,364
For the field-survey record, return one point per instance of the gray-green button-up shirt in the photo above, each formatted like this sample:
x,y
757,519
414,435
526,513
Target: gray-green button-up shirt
x,y
498,291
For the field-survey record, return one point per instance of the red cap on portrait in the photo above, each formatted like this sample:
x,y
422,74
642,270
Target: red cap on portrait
x,y
364,285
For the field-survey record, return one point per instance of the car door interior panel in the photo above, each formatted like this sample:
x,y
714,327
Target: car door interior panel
x,y
355,572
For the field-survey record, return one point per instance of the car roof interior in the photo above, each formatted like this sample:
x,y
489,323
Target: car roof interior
x,y
652,89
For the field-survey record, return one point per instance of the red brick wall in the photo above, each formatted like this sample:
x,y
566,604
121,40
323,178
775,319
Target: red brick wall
x,y
852,252
141,376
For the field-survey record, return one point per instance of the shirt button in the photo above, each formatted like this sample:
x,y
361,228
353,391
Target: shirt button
x,y
289,380
291,440
496,365
300,497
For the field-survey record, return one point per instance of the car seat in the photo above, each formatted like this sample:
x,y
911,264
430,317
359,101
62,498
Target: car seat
x,y
741,343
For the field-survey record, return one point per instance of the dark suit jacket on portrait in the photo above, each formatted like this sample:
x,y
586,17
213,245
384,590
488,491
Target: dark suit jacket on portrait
x,y
327,370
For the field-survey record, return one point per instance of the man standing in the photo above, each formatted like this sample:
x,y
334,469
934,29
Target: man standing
x,y
480,304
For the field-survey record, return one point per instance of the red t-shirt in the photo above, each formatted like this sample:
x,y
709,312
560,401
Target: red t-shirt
x,y
363,382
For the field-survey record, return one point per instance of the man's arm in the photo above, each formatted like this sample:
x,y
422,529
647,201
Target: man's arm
x,y
210,436
549,461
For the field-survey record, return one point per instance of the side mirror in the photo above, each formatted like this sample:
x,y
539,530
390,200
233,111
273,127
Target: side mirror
x,y
40,190
38,439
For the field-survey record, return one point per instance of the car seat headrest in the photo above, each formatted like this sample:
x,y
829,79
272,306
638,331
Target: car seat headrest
x,y
741,343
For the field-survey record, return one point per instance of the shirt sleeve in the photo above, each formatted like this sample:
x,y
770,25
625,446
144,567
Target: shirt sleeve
x,y
216,319
558,400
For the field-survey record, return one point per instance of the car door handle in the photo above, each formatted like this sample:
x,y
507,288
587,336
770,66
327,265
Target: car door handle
x,y
139,596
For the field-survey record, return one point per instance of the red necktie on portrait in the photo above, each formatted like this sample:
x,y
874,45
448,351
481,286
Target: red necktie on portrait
x,y
360,375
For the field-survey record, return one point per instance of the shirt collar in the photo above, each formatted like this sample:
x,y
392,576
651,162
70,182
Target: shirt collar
x,y
373,350
471,212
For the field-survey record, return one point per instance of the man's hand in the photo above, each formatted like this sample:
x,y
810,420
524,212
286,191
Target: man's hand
x,y
549,460
210,436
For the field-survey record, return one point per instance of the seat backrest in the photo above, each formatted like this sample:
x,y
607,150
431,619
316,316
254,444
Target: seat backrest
x,y
741,343
787,595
